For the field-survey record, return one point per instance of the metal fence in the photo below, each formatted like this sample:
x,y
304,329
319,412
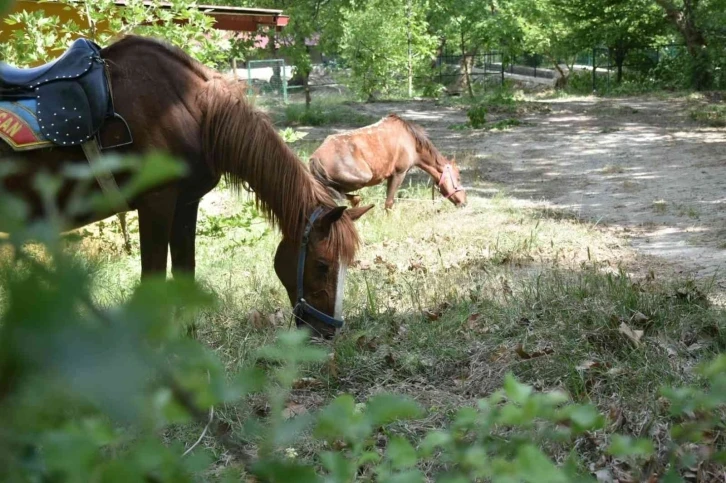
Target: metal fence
x,y
600,62
273,78
267,78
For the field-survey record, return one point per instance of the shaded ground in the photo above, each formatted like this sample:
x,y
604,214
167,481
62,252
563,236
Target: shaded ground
x,y
639,165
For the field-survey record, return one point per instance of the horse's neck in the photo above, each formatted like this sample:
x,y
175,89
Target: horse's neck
x,y
427,162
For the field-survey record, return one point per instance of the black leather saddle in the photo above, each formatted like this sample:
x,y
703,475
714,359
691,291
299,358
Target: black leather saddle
x,y
72,93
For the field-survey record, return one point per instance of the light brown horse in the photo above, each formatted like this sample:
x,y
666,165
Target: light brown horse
x,y
174,104
386,150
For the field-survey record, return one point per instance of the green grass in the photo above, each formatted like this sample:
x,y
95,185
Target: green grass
x,y
323,113
712,115
443,302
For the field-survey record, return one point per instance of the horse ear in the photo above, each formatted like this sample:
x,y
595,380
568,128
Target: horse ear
x,y
331,217
356,213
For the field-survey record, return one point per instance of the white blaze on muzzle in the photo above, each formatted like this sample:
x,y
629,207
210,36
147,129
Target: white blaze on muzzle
x,y
340,290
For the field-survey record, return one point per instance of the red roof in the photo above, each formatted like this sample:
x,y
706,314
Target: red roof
x,y
236,19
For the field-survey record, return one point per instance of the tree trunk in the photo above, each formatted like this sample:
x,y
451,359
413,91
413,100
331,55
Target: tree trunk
x,y
306,88
467,61
306,80
439,53
561,81
684,21
276,79
410,54
620,54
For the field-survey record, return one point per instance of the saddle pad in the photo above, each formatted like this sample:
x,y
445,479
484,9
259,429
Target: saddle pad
x,y
19,126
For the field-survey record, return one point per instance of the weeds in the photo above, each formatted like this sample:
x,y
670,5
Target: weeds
x,y
712,115
324,113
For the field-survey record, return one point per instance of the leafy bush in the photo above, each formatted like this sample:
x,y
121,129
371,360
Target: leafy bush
x,y
290,136
86,391
477,116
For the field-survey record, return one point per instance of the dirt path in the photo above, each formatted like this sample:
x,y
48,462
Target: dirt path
x,y
639,165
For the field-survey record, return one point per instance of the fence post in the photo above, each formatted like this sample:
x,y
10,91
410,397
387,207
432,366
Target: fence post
x,y
249,78
501,58
284,82
594,79
610,63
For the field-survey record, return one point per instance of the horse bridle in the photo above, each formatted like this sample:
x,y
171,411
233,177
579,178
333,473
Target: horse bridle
x,y
457,187
301,306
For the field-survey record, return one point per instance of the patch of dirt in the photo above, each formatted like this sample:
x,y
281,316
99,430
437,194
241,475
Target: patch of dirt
x,y
638,165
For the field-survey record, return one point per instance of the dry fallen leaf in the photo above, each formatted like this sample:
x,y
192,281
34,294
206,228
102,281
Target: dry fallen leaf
x,y
306,383
332,365
588,365
255,319
694,347
431,315
378,260
417,266
276,318
604,476
519,349
633,335
364,342
472,323
292,410
499,354
639,318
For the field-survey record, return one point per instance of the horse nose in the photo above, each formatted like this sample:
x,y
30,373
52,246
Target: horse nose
x,y
462,205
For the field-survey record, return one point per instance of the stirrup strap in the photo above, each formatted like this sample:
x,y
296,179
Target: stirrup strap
x,y
104,177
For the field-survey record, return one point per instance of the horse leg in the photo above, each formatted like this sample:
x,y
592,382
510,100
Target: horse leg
x,y
125,231
156,214
353,199
394,182
183,235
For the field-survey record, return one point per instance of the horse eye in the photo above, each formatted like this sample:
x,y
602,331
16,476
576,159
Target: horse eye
x,y
322,268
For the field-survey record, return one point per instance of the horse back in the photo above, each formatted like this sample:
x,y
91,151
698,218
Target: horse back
x,y
373,153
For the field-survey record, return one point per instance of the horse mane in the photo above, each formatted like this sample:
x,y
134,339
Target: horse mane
x,y
423,143
242,145
165,48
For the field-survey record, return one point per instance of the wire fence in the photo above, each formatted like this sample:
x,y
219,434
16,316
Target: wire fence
x,y
603,66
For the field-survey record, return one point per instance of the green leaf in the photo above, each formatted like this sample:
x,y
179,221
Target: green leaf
x,y
516,391
339,421
533,466
583,417
369,457
248,381
622,446
715,367
433,440
411,476
277,471
387,408
400,453
341,469
293,347
152,171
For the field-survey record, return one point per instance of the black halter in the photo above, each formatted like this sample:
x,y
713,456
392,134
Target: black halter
x,y
302,307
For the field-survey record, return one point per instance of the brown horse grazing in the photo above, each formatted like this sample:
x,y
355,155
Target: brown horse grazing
x,y
386,150
174,104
